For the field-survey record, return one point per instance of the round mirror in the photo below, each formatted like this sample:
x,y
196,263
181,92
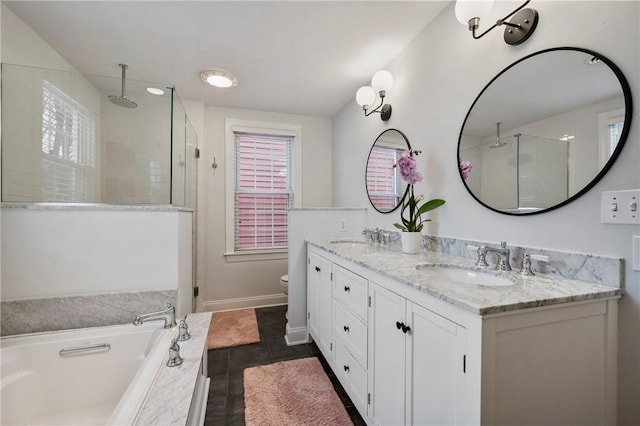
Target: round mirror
x,y
385,187
544,131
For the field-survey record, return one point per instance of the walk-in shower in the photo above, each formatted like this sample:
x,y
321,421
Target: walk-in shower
x,y
66,138
527,172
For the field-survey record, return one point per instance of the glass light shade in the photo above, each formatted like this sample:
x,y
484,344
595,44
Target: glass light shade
x,y
219,81
382,80
469,9
219,78
365,96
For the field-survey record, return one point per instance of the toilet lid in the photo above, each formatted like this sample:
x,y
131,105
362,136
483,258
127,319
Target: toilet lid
x,y
284,278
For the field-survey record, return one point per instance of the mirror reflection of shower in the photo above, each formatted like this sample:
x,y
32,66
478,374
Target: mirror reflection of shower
x,y
498,143
122,100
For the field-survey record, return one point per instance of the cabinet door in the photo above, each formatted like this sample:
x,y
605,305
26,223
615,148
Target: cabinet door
x,y
435,368
387,357
319,301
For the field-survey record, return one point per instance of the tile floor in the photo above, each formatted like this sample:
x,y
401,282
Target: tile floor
x,y
225,405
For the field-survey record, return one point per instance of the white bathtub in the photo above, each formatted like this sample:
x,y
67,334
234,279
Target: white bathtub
x,y
108,385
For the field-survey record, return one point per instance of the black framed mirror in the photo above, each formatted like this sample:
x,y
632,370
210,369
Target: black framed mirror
x,y
544,130
385,187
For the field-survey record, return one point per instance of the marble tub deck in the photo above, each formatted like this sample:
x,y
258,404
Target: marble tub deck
x,y
527,292
170,397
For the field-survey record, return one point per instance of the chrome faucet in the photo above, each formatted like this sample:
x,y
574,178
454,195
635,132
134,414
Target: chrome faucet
x,y
168,315
504,254
174,354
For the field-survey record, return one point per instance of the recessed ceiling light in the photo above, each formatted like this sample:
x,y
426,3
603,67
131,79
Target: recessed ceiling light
x,y
219,78
155,91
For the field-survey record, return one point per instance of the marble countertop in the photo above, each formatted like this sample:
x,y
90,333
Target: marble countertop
x,y
526,292
169,400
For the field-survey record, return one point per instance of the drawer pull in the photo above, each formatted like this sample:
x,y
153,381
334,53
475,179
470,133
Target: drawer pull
x,y
346,368
346,328
317,269
405,328
347,289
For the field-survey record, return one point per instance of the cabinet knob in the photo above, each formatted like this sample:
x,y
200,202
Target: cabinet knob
x,y
347,289
399,325
346,368
346,328
405,329
317,269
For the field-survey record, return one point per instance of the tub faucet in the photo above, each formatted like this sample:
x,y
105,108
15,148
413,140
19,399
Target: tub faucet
x,y
168,315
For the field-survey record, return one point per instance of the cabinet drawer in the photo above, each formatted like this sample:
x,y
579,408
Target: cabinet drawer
x,y
352,331
351,289
353,375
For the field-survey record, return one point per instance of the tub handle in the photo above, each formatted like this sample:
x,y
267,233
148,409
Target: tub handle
x,y
84,350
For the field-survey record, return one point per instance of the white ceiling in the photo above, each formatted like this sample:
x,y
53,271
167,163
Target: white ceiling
x,y
301,57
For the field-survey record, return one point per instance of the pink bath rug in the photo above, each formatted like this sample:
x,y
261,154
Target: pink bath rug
x,y
292,393
233,328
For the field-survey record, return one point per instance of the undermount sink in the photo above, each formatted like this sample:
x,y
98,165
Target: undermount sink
x,y
465,276
350,242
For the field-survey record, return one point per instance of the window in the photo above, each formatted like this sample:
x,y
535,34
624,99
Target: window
x,y
263,180
68,139
610,125
383,183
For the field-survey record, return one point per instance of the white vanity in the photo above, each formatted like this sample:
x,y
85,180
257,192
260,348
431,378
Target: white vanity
x,y
411,347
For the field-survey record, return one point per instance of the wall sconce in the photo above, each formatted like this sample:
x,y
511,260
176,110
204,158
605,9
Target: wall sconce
x,y
366,95
518,30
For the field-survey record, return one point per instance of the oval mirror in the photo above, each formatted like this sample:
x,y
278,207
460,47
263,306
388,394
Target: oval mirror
x,y
385,187
544,131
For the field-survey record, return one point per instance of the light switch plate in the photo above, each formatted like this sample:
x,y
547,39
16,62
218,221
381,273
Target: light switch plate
x,y
621,207
636,253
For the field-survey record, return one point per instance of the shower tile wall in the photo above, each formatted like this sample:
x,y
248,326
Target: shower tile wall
x,y
136,151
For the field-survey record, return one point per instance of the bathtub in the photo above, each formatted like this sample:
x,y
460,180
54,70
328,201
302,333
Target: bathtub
x,y
92,376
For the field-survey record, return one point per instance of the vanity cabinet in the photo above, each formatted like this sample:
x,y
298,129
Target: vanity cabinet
x,y
418,362
406,357
319,273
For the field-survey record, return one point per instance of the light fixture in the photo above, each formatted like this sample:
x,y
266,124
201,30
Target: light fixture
x,y
381,82
518,30
155,91
219,78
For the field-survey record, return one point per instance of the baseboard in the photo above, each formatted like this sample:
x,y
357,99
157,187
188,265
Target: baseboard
x,y
245,302
297,336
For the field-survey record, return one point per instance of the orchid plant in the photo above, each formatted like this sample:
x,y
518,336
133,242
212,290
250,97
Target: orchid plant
x,y
465,167
411,205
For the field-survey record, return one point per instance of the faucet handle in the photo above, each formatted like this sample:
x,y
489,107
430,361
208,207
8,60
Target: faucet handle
x,y
482,256
174,354
526,265
183,330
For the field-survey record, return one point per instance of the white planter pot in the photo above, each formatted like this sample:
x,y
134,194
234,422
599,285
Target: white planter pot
x,y
410,242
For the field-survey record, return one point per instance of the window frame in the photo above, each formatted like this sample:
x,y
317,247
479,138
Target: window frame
x,y
233,126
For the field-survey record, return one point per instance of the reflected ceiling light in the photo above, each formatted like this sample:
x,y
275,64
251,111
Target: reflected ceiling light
x,y
155,91
518,30
381,82
219,78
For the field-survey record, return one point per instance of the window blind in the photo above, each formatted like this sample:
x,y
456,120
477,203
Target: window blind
x,y
383,183
264,186
68,139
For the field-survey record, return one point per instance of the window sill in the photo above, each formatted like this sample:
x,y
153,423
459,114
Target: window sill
x,y
258,255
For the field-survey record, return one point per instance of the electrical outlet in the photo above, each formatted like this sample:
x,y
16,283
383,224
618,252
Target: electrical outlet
x,y
343,225
621,207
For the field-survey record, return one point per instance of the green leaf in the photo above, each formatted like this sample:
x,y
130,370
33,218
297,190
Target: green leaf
x,y
430,205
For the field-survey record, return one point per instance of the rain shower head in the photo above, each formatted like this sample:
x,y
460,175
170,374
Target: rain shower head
x,y
122,100
497,143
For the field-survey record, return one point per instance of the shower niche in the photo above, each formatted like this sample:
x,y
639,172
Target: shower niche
x,y
69,137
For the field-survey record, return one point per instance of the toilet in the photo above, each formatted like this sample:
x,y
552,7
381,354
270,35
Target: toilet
x,y
284,284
